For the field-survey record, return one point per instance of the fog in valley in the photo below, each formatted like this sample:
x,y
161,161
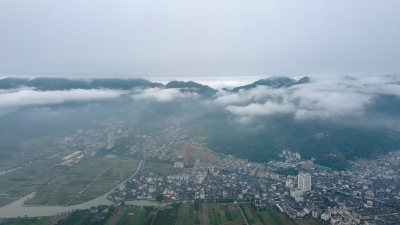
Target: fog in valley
x,y
267,114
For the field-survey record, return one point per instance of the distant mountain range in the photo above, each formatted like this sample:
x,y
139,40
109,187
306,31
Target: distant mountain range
x,y
273,82
191,86
46,84
382,103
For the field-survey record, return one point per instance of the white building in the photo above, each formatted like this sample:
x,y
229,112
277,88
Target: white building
x,y
289,183
178,165
295,192
304,181
110,139
326,216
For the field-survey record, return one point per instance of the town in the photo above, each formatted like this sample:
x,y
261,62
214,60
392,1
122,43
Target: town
x,y
366,193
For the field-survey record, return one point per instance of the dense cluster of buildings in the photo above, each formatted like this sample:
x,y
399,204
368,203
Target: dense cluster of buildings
x,y
90,141
366,193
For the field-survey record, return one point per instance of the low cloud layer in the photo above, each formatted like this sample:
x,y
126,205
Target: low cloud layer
x,y
323,98
22,97
162,95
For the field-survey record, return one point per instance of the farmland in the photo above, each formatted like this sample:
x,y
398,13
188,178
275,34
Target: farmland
x,y
87,180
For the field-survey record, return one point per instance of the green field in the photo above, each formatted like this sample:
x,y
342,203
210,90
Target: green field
x,y
87,180
181,214
167,216
220,214
31,221
205,213
250,214
133,216
273,217
28,150
23,181
312,221
185,215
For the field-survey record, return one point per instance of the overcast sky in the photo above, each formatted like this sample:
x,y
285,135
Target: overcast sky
x,y
199,38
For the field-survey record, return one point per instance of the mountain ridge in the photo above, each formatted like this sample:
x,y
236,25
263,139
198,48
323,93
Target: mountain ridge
x,y
48,83
273,82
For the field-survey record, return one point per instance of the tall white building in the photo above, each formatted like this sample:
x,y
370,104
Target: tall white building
x,y
304,181
110,139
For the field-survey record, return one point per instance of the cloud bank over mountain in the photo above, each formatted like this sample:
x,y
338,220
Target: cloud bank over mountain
x,y
24,97
319,97
162,95
322,98
253,120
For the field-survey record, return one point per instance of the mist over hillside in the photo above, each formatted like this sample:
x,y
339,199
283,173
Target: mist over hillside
x,y
333,119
